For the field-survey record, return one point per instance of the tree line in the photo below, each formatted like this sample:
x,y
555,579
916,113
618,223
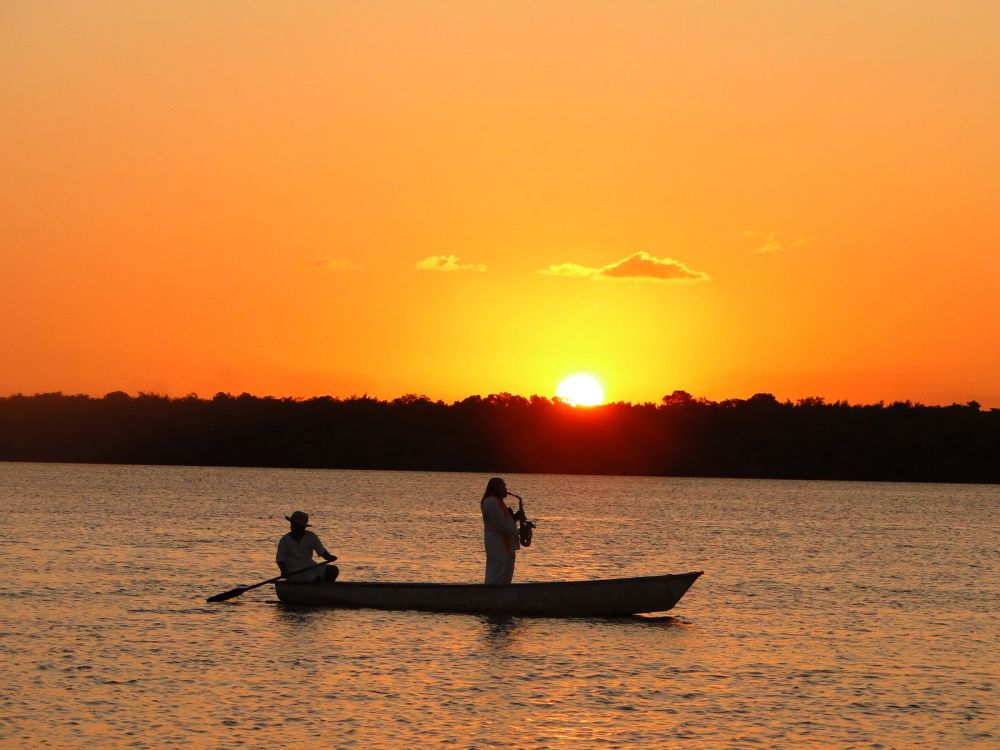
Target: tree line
x,y
679,436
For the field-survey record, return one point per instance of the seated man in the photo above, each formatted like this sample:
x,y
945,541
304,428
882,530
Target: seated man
x,y
295,552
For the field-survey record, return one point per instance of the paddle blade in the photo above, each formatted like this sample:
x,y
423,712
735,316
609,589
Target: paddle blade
x,y
231,594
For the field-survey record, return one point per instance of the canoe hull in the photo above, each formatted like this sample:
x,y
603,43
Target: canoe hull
x,y
608,597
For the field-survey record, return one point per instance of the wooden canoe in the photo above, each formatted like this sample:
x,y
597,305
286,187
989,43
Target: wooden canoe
x,y
613,596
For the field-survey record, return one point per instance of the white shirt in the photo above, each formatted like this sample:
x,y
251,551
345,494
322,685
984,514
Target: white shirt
x,y
499,528
297,554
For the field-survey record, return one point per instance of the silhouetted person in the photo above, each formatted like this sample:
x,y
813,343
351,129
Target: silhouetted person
x,y
295,552
499,533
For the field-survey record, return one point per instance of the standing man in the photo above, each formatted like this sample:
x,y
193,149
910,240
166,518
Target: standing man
x,y
295,552
499,533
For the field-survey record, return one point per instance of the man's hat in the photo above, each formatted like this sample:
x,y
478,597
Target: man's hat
x,y
299,518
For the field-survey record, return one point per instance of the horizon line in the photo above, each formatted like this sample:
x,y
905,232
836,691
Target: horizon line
x,y
414,396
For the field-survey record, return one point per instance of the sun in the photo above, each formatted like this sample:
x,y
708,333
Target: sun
x,y
581,390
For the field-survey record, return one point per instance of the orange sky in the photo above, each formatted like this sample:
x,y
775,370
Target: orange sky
x,y
263,197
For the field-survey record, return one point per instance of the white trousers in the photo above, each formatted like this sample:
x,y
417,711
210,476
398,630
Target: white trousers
x,y
500,569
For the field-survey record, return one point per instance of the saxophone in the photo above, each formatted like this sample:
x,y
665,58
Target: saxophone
x,y
525,528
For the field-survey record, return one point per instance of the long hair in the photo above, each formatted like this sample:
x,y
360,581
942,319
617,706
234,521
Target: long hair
x,y
493,487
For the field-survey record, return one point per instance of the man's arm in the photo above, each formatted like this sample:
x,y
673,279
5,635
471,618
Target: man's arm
x,y
320,550
502,517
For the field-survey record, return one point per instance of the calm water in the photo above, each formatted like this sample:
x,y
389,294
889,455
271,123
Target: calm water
x,y
830,614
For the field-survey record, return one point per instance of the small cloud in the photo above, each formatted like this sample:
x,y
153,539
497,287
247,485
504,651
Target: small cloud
x,y
640,266
329,264
570,269
447,263
771,243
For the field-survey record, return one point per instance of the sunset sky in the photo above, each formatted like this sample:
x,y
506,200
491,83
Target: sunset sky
x,y
450,198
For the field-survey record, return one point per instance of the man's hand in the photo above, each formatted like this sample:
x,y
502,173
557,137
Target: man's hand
x,y
329,557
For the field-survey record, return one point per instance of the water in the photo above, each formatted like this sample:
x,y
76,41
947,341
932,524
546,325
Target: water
x,y
831,614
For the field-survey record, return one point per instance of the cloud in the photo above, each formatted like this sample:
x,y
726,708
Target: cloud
x,y
447,263
569,269
329,264
771,243
640,266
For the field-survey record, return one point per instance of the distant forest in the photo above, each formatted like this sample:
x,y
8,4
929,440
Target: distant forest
x,y
679,436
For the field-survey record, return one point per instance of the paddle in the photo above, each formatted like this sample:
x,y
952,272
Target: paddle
x,y
233,593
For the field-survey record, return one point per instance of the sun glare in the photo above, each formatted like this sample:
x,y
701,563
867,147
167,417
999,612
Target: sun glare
x,y
581,390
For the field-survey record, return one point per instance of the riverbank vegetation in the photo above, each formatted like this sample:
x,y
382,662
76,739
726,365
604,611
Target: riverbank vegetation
x,y
679,436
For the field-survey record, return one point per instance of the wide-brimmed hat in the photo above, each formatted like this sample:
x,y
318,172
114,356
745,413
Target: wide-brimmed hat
x,y
299,518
